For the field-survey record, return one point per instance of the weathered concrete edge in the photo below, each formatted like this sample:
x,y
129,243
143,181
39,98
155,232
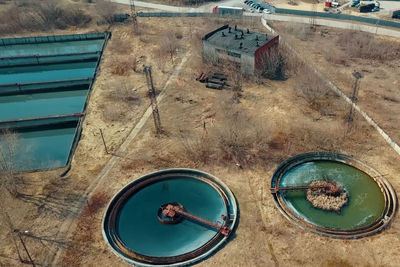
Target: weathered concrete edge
x,y
391,201
232,202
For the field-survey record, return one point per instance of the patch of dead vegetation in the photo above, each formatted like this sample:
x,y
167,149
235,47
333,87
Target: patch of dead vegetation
x,y
41,16
87,225
368,46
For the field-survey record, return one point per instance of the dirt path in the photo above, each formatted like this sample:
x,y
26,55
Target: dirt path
x,y
68,226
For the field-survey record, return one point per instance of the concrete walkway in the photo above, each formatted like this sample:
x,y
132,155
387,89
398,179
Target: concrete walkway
x,y
334,24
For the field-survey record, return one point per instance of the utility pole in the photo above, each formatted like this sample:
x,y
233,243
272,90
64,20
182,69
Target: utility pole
x,y
134,16
153,99
25,248
354,98
104,142
312,18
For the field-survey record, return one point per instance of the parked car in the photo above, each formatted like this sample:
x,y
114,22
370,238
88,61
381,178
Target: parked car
x,y
267,11
251,10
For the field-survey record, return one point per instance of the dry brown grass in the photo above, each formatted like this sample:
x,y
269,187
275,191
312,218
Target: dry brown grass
x,y
123,66
40,16
367,46
112,112
299,30
336,57
87,225
119,46
237,139
315,91
198,149
241,139
123,90
181,2
106,10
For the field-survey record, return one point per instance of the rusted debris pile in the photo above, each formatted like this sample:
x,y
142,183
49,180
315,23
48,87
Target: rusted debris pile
x,y
327,196
216,81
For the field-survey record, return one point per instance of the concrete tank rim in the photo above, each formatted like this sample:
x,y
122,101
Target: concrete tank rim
x,y
391,201
206,254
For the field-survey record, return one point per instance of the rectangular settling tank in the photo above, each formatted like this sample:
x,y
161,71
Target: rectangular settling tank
x,y
44,85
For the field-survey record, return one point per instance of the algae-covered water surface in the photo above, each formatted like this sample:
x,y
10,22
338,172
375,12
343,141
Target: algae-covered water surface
x,y
366,200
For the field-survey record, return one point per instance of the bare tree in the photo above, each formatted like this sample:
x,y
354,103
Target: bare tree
x,y
314,90
272,65
169,45
235,78
8,147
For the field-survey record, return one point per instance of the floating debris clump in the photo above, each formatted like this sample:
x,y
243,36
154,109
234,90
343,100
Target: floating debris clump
x,y
327,196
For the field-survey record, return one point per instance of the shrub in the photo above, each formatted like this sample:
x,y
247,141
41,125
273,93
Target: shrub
x,y
314,90
273,66
123,67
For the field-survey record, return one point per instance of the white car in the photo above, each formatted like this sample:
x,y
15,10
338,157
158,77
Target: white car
x,y
267,11
251,10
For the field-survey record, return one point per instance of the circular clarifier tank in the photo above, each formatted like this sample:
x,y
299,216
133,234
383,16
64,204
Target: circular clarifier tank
x,y
170,217
367,202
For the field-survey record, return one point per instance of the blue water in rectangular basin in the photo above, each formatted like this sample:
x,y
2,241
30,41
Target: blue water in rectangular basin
x,y
43,49
47,73
42,149
42,104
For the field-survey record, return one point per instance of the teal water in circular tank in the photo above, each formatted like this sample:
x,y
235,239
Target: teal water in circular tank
x,y
138,226
366,201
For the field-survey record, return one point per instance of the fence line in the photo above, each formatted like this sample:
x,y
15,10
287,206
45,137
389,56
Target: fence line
x,y
374,21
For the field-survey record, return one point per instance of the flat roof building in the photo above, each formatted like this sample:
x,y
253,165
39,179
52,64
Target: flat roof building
x,y
249,49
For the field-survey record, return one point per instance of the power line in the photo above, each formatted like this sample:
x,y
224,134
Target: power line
x,y
354,98
134,16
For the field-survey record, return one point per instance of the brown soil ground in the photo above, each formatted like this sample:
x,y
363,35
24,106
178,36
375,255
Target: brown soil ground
x,y
285,121
379,94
